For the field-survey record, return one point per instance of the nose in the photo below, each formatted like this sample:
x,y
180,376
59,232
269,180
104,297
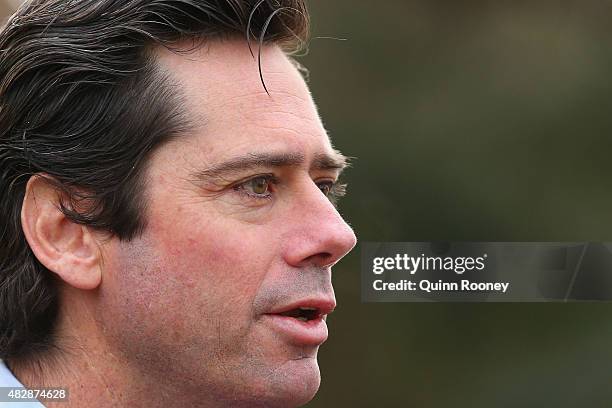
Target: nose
x,y
319,235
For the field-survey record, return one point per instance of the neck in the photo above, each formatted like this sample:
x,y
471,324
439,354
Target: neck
x,y
95,373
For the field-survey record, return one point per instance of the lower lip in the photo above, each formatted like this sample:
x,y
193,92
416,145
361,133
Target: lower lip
x,y
312,332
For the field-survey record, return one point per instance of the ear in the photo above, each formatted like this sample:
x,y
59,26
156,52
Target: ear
x,y
68,249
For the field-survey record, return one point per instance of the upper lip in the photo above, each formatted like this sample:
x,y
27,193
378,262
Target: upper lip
x,y
324,305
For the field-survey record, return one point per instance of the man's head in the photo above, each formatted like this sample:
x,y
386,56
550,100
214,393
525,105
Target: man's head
x,y
158,203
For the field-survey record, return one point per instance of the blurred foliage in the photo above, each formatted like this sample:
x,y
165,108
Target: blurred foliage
x,y
470,120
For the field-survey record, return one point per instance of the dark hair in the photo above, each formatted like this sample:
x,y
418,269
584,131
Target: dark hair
x,y
81,103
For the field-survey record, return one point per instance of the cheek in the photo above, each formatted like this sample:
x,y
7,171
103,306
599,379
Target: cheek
x,y
200,277
165,301
216,258
188,281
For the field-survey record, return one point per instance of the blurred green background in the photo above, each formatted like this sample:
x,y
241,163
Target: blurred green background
x,y
476,121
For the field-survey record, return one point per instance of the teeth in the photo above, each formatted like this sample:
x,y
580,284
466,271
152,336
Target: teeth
x,y
302,318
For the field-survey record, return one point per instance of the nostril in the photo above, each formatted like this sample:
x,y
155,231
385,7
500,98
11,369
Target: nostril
x,y
320,259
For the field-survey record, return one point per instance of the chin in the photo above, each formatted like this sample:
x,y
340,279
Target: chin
x,y
292,385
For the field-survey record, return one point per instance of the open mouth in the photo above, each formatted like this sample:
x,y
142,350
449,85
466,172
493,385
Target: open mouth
x,y
303,314
302,322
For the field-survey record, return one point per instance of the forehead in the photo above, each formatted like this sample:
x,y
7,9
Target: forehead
x,y
226,101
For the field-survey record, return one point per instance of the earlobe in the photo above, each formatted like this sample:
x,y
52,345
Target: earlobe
x,y
68,249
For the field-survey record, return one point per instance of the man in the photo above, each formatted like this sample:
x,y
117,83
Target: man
x,y
168,227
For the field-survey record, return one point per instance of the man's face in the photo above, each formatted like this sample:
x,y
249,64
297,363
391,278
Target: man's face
x,y
225,291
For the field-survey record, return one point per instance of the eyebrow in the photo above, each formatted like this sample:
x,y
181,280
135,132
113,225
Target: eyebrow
x,y
321,161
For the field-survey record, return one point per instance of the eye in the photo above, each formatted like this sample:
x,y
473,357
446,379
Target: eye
x,y
326,187
257,187
332,190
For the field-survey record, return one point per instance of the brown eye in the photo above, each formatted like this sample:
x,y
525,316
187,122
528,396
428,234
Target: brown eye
x,y
332,190
258,186
326,187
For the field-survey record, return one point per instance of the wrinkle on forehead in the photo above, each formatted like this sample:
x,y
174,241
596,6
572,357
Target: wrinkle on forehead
x,y
224,72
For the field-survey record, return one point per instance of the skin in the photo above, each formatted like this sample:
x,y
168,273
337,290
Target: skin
x,y
178,316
